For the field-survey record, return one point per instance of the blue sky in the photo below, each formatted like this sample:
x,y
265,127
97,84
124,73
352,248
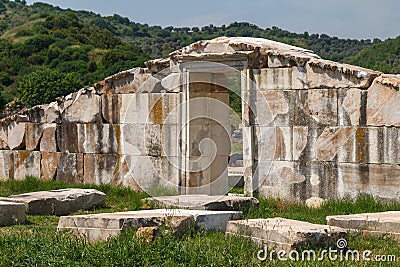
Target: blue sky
x,y
342,18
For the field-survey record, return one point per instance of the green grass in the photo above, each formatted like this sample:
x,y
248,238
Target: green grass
x,y
38,243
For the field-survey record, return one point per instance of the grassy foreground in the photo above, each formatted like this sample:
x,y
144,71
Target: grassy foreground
x,y
38,243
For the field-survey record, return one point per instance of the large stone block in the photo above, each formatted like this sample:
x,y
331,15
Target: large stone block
x,y
100,168
96,227
6,165
98,138
382,104
321,105
34,132
277,178
11,213
135,108
111,107
83,106
328,74
300,140
349,106
59,202
49,164
273,107
3,137
377,224
280,78
331,141
70,168
274,143
48,142
379,180
128,82
16,136
26,163
284,234
142,139
67,137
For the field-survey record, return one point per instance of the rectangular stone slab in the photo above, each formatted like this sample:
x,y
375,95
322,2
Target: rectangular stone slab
x,y
280,233
102,226
58,202
11,213
380,223
205,202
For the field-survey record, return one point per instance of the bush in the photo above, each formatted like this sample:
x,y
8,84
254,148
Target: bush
x,y
45,85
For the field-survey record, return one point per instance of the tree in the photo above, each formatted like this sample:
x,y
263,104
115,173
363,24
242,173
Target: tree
x,y
44,86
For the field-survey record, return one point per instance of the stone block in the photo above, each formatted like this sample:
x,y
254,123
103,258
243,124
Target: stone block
x,y
273,108
67,137
328,74
26,163
34,132
382,105
96,227
280,78
111,107
16,136
377,224
135,108
11,213
83,106
6,165
274,143
98,138
349,106
276,178
100,168
285,234
321,105
142,139
300,140
379,180
331,140
314,202
48,142
3,138
70,168
150,174
49,164
59,202
204,202
172,82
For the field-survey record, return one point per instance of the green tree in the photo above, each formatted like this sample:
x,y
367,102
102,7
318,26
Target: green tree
x,y
44,86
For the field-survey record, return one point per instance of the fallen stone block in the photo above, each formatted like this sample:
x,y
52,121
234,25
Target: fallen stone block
x,y
58,202
205,202
285,234
11,213
376,224
95,227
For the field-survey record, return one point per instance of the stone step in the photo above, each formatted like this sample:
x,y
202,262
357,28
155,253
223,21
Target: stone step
x,y
58,202
285,234
205,202
11,213
376,224
96,227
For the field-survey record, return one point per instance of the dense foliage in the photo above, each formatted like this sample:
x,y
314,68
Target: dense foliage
x,y
91,47
384,57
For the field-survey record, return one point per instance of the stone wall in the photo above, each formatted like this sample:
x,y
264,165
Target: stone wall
x,y
311,127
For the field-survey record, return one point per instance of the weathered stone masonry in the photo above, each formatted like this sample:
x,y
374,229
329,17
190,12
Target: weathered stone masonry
x,y
330,130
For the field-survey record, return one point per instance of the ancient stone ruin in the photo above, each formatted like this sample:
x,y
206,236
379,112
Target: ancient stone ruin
x,y
311,127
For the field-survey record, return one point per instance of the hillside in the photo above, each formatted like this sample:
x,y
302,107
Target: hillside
x,y
383,56
88,47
